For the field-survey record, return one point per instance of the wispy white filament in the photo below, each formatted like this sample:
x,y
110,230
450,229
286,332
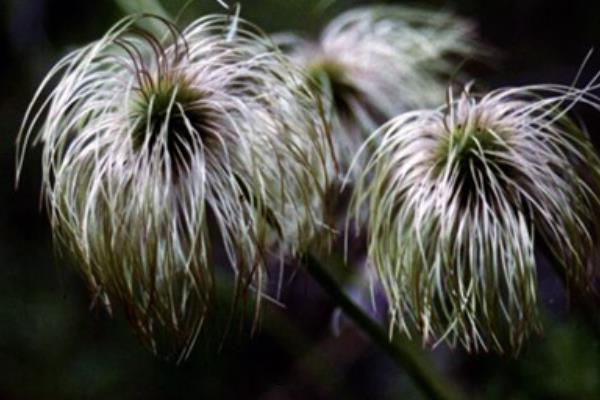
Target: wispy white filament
x,y
152,152
457,199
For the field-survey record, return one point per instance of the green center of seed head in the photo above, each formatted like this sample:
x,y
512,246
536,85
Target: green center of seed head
x,y
326,76
466,143
168,109
473,154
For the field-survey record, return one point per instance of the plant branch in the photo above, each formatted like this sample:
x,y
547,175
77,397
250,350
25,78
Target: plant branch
x,y
416,364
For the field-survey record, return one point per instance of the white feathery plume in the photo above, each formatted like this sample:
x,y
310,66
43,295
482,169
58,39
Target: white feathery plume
x,y
457,198
154,149
375,62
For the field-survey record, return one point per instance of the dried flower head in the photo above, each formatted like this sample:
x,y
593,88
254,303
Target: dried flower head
x,y
457,198
375,62
155,149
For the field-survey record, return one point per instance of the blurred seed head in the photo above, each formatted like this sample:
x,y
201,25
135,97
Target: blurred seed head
x,y
457,198
157,148
373,63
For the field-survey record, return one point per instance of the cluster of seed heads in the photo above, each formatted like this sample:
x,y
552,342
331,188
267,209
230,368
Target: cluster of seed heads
x,y
170,160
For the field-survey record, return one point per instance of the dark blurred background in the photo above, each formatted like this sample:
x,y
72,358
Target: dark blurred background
x,y
52,346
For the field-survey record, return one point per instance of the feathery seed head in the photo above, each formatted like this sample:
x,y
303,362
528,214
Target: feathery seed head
x,y
458,197
375,62
160,153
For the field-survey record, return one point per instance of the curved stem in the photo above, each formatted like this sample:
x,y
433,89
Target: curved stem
x,y
149,7
416,365
142,6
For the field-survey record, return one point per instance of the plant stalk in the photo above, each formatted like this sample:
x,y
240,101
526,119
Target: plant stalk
x,y
433,384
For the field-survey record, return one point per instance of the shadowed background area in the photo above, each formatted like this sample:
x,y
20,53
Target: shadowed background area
x,y
52,346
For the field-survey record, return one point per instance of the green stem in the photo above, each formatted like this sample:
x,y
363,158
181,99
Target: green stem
x,y
416,365
146,7
142,6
